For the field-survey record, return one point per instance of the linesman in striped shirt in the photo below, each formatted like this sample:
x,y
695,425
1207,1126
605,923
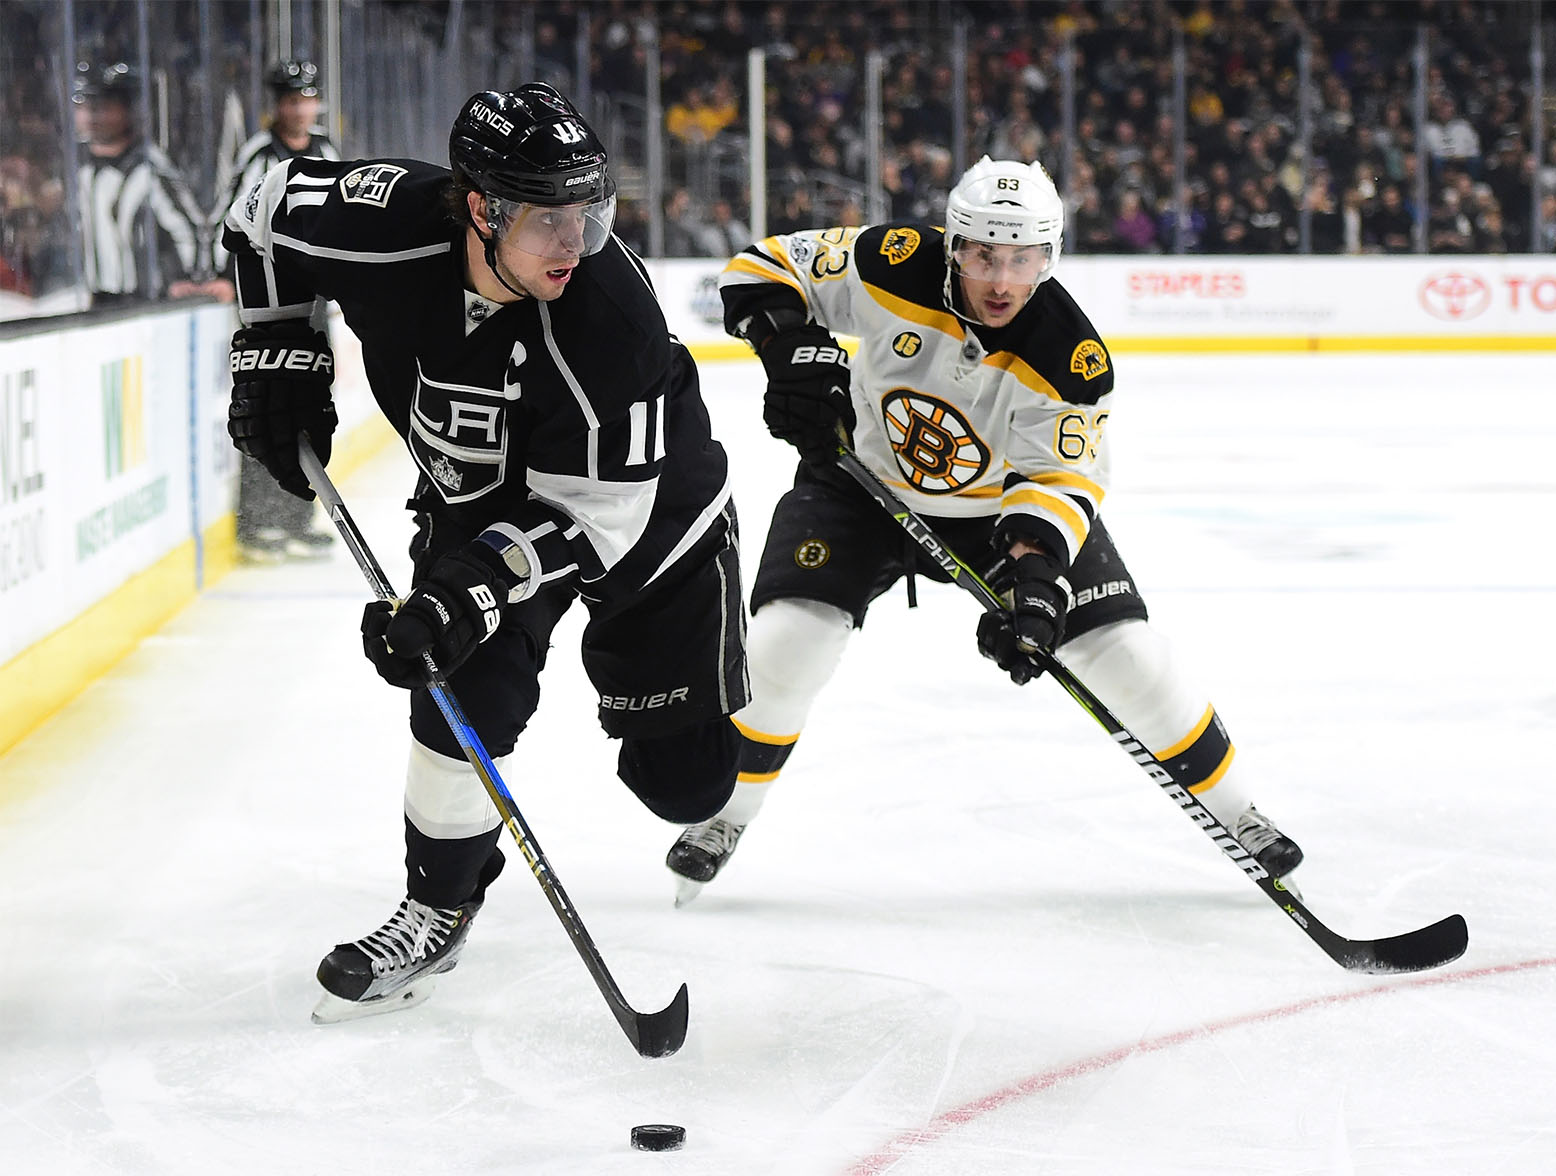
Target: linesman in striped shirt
x,y
141,228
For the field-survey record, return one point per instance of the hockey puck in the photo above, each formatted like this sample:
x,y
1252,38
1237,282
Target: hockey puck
x,y
658,1137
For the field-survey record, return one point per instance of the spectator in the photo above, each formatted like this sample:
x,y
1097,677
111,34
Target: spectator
x,y
1451,138
1133,229
1387,226
723,235
680,226
1448,229
698,117
1226,228
1090,229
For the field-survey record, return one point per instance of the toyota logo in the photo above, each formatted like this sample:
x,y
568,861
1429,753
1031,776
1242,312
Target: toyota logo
x,y
1454,296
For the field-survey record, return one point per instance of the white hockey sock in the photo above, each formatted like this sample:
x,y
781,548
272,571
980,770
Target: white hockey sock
x,y
444,798
1131,668
792,649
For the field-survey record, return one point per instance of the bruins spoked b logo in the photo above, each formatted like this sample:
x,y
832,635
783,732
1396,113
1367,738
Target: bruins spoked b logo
x,y
936,448
812,554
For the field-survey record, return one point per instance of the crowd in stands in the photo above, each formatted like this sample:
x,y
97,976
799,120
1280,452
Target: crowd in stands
x,y
1247,187
1253,169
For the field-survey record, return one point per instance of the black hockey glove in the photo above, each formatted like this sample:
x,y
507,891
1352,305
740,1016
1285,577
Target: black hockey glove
x,y
1038,595
807,391
458,606
281,376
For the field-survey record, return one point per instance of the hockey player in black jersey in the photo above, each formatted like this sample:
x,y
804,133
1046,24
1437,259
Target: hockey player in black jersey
x,y
980,393
563,451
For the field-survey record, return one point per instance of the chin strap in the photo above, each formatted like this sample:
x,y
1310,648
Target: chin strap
x,y
491,264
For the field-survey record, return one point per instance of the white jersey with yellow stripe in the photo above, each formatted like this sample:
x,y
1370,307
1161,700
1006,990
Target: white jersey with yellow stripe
x,y
960,419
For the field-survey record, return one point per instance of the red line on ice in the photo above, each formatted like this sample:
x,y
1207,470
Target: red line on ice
x,y
945,1122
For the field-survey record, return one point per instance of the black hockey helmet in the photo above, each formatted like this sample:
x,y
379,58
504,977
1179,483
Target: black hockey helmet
x,y
529,145
114,79
293,76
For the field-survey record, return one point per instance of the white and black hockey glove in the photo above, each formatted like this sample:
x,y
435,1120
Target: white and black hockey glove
x,y
458,606
281,377
807,391
1039,596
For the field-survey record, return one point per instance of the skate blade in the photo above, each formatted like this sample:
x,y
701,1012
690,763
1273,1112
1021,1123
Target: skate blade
x,y
334,1010
686,890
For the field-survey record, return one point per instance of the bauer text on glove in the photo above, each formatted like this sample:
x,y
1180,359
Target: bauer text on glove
x,y
807,391
281,376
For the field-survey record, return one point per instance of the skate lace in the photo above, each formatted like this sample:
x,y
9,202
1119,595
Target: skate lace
x,y
406,938
1255,832
715,836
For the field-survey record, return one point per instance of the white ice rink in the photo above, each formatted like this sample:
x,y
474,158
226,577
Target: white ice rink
x,y
967,936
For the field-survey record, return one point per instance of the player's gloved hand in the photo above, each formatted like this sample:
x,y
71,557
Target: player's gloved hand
x,y
1038,595
807,391
458,606
281,376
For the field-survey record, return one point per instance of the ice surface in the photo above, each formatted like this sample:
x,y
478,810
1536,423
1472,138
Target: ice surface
x,y
965,936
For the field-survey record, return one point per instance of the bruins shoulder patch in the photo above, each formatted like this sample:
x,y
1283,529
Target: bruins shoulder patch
x,y
812,554
898,245
1089,360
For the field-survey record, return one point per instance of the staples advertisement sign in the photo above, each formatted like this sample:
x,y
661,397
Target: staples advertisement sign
x,y
1329,298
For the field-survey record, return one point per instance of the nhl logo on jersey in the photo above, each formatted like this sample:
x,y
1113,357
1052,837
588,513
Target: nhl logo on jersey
x,y
1089,360
812,554
371,184
898,245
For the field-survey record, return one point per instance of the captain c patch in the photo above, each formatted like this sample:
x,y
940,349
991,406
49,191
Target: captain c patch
x,y
1089,360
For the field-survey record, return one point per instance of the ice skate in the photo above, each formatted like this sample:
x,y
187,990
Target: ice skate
x,y
264,546
699,854
396,967
309,545
1272,849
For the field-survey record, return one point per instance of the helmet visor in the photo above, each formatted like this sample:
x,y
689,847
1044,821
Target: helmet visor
x,y
555,232
1019,265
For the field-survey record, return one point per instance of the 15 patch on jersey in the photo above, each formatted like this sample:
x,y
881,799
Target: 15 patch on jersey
x,y
459,437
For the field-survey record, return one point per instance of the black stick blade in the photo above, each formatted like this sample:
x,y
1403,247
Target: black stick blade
x,y
658,1035
1415,951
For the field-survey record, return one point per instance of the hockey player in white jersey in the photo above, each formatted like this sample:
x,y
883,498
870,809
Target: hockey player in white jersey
x,y
980,393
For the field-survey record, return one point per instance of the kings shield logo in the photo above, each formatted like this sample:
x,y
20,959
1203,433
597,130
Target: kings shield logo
x,y
936,448
1089,360
371,184
459,436
898,245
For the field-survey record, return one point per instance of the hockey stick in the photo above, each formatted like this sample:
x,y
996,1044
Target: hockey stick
x,y
1414,951
654,1035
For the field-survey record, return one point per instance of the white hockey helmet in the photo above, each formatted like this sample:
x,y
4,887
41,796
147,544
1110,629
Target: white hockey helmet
x,y
1004,202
